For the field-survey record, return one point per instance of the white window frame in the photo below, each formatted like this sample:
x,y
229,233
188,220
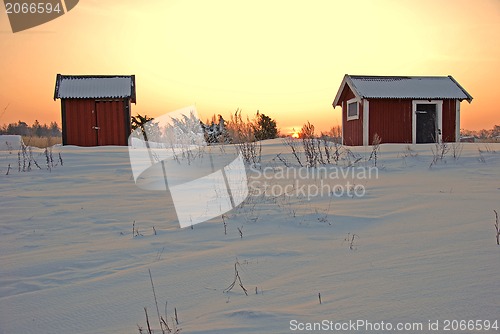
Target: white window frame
x,y
351,118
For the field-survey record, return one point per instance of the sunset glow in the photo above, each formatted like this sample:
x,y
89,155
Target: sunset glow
x,y
285,59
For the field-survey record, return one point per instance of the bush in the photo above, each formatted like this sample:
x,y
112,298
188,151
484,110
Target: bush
x,y
216,132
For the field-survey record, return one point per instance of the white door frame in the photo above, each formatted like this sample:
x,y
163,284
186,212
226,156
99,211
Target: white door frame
x,y
366,122
439,118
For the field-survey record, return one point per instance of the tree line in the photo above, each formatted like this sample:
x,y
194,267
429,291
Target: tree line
x,y
482,134
263,127
34,130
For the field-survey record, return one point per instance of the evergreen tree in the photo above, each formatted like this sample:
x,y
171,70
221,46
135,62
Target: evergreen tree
x,y
265,128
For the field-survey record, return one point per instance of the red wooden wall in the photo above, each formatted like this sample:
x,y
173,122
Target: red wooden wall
x,y
391,119
87,122
449,120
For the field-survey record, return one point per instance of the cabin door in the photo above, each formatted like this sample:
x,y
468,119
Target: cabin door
x,y
79,121
426,123
111,122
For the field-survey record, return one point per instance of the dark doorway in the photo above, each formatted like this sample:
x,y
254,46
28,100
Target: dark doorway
x,y
426,123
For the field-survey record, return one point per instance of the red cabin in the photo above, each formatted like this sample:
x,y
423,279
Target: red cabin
x,y
95,109
400,109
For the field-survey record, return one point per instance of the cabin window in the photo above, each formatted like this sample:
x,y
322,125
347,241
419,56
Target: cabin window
x,y
352,110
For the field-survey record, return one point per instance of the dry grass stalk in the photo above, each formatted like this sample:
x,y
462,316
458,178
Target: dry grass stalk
x,y
375,148
283,160
456,149
225,224
147,322
159,254
309,142
481,157
290,142
165,328
350,239
236,278
242,134
439,151
156,301
497,227
48,159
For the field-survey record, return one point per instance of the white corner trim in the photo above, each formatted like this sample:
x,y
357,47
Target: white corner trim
x,y
440,121
366,123
343,143
457,121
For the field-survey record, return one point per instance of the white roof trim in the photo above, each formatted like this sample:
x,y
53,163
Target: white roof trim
x,y
346,81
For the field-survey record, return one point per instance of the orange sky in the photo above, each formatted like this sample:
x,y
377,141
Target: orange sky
x,y
284,58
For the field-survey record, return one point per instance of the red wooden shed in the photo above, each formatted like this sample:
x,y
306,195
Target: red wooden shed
x,y
95,109
400,109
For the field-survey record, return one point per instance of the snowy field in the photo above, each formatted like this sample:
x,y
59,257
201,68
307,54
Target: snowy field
x,y
424,247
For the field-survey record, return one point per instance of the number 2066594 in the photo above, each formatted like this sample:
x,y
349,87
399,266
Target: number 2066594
x,y
470,325
32,8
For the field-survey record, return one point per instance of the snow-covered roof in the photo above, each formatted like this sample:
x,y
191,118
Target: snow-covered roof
x,y
400,87
95,86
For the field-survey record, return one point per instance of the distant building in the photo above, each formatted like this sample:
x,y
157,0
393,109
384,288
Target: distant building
x,y
468,139
400,109
95,109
